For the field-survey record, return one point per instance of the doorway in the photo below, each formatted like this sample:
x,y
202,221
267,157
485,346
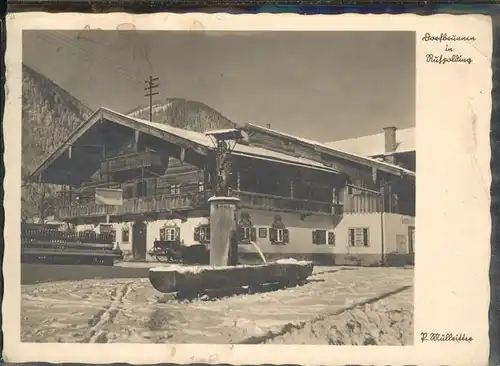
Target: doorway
x,y
139,235
411,239
411,244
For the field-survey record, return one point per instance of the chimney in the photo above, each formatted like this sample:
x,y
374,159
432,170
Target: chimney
x,y
268,126
390,143
390,139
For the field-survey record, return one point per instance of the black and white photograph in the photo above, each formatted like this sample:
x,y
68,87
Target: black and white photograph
x,y
218,187
193,188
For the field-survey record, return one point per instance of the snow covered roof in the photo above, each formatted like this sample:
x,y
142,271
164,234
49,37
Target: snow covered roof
x,y
374,145
362,159
193,136
239,149
202,144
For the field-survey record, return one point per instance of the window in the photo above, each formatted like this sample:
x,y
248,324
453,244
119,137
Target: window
x,y
245,231
125,235
279,236
247,234
358,237
319,237
175,189
169,233
205,233
202,234
331,238
263,232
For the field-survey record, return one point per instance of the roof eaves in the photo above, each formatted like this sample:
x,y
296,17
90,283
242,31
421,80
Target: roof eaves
x,y
127,120
96,116
390,168
303,164
99,115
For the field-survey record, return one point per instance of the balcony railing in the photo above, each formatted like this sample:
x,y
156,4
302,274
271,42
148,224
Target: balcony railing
x,y
139,160
286,204
135,206
166,203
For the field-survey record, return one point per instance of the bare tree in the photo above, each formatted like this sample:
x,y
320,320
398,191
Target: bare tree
x,y
38,200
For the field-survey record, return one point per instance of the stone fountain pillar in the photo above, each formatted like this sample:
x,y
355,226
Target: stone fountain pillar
x,y
222,228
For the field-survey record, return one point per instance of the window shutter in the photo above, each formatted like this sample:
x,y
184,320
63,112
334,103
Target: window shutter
x,y
273,235
286,236
331,238
177,233
351,237
365,237
162,233
241,233
208,232
253,234
196,234
314,237
323,239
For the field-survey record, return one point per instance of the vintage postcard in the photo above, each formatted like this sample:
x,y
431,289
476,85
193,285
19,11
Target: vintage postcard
x,y
247,189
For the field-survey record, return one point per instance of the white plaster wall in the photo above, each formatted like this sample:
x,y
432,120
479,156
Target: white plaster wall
x,y
153,230
394,225
372,221
186,229
119,235
301,232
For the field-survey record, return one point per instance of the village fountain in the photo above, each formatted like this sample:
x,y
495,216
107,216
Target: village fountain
x,y
223,272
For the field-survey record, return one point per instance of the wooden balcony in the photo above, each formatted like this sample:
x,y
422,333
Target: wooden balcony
x,y
135,206
189,201
145,159
285,204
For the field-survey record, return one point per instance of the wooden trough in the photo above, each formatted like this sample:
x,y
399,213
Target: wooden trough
x,y
195,279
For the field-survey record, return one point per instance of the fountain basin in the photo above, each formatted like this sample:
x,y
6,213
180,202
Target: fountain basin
x,y
194,279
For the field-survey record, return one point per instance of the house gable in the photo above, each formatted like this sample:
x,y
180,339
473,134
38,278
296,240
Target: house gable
x,y
80,156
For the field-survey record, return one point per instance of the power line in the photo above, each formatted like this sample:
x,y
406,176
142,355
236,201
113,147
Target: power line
x,y
149,89
100,58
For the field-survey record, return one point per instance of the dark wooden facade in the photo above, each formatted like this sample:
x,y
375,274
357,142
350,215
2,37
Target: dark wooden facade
x,y
168,174
370,187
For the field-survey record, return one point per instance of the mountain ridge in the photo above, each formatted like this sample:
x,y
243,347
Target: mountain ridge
x,y
184,113
49,114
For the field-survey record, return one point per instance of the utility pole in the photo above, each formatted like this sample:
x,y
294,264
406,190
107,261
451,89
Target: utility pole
x,y
149,93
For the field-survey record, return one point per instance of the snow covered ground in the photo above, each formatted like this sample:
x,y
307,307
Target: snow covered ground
x,y
337,306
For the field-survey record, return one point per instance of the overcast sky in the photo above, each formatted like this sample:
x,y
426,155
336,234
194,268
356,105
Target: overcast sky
x,y
320,85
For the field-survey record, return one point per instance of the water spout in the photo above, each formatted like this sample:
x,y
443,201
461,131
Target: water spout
x,y
259,251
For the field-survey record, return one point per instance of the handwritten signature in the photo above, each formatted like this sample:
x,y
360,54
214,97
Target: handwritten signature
x,y
444,337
